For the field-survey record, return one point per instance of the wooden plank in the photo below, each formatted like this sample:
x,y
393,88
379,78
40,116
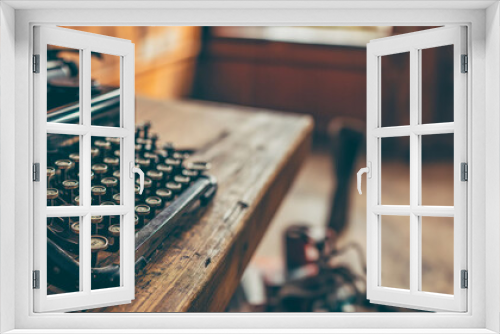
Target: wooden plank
x,y
255,156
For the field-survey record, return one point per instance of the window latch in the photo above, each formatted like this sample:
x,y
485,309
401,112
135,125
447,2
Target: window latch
x,y
36,172
139,171
465,279
368,171
36,279
464,171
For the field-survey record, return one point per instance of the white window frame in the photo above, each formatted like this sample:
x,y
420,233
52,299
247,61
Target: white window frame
x,y
413,44
17,19
87,43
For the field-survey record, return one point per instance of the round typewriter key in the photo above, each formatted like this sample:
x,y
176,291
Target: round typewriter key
x,y
199,166
165,195
142,212
190,173
156,176
95,220
104,147
70,186
136,220
52,194
51,171
108,203
174,187
178,156
97,193
115,141
154,203
116,198
137,188
169,147
64,165
75,227
111,183
161,153
76,200
116,174
143,163
75,157
153,159
92,175
97,244
183,180
186,155
172,162
114,162
166,170
117,153
114,233
99,170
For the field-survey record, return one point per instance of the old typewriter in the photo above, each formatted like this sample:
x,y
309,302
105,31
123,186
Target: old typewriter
x,y
175,187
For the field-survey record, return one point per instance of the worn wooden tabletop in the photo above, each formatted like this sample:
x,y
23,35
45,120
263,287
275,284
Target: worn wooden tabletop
x,y
255,155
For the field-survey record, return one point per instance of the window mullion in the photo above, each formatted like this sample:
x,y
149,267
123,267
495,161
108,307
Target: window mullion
x,y
414,171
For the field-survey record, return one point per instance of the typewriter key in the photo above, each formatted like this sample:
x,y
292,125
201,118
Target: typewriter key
x,y
75,227
51,171
174,187
117,153
116,174
161,153
70,186
95,220
99,170
190,173
113,162
97,193
103,146
137,188
156,176
199,166
52,194
142,211
76,159
178,156
154,203
111,183
114,141
64,165
143,163
116,198
182,180
172,162
165,195
169,147
76,200
97,243
153,159
136,221
114,233
166,170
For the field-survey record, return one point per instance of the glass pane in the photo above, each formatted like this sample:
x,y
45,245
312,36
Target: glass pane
x,y
437,254
437,84
63,169
105,249
395,170
395,89
395,252
105,157
437,169
63,251
105,73
63,85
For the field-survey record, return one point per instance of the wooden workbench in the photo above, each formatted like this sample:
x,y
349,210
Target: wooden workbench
x,y
255,155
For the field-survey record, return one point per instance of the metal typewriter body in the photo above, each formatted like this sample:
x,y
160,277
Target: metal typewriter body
x,y
173,187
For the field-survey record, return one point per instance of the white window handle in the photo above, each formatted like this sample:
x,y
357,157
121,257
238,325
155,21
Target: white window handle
x,y
139,171
368,171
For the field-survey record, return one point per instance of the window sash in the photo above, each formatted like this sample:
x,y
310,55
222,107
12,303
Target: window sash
x,y
412,43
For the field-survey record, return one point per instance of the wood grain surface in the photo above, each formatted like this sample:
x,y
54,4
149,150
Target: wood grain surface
x,y
255,155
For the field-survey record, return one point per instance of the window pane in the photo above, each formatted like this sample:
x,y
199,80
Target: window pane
x,y
395,169
105,249
437,254
437,169
437,84
105,73
105,157
63,251
395,86
63,169
63,85
395,251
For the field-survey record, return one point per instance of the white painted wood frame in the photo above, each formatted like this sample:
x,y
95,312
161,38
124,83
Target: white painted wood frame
x,y
86,43
481,17
413,43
